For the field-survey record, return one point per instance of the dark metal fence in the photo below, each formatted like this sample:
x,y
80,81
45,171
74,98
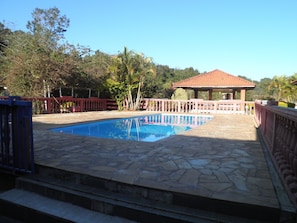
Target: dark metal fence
x,y
16,135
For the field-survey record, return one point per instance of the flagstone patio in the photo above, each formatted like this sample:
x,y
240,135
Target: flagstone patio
x,y
221,160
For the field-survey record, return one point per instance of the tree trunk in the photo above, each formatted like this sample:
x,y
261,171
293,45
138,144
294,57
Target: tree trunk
x,y
48,91
130,99
60,92
44,88
136,106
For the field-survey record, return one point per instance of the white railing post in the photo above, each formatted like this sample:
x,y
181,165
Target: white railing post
x,y
200,106
215,107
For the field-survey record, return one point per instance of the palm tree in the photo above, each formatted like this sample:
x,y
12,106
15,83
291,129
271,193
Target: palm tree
x,y
128,74
145,68
280,88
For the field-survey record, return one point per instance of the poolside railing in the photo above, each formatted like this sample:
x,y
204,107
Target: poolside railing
x,y
66,104
199,106
278,126
69,104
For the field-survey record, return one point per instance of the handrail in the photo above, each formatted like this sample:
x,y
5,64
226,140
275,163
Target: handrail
x,y
278,127
65,104
70,104
199,106
16,135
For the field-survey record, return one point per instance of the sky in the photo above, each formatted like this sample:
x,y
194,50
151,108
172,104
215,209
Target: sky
x,y
252,38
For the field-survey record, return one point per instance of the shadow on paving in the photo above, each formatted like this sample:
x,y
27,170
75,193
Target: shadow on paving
x,y
7,181
224,164
222,160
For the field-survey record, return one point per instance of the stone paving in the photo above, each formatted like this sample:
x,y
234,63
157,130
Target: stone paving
x,y
222,159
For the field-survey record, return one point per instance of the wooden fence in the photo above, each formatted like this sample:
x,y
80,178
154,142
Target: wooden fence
x,y
278,127
67,104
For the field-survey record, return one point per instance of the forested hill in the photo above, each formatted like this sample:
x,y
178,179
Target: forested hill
x,y
39,60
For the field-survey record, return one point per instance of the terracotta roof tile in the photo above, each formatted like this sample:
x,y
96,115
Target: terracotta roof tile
x,y
214,79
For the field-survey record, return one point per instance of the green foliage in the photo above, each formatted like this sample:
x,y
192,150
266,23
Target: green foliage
x,y
279,88
96,67
128,72
118,91
4,35
162,84
291,105
286,104
36,62
19,65
48,26
179,94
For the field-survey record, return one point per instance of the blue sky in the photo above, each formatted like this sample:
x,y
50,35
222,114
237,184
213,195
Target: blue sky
x,y
252,38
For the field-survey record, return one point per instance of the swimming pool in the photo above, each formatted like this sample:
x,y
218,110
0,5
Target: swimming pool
x,y
148,128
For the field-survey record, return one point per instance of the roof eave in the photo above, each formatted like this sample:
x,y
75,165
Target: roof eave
x,y
221,87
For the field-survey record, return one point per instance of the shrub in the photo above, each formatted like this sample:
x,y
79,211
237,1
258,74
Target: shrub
x,y
286,104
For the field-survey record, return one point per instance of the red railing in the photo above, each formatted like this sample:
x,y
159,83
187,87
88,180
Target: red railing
x,y
66,104
278,127
70,104
199,106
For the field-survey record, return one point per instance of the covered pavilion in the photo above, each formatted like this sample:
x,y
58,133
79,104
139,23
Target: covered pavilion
x,y
217,80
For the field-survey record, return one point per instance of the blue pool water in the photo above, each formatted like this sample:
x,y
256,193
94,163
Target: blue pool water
x,y
149,128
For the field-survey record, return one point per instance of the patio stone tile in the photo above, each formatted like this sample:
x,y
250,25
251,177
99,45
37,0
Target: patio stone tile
x,y
175,176
183,164
169,165
215,187
124,178
218,160
190,177
222,177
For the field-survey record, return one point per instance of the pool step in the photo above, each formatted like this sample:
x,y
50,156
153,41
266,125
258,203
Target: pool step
x,y
137,203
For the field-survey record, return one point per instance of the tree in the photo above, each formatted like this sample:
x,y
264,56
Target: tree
x,y
96,66
35,62
48,26
66,68
128,72
4,34
292,95
19,71
261,90
145,67
163,82
280,88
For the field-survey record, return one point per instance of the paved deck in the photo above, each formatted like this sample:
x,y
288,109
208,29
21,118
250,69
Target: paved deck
x,y
222,159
